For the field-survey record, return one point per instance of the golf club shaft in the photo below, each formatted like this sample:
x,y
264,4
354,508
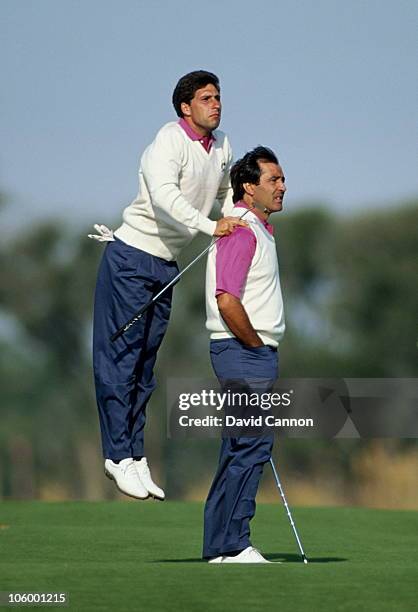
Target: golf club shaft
x,y
145,307
279,486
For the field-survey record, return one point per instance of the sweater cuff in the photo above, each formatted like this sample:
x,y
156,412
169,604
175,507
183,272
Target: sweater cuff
x,y
207,226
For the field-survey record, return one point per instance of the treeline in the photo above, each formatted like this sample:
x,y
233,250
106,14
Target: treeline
x,y
351,297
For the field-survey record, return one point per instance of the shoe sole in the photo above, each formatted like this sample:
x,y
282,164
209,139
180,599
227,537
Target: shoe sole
x,y
249,562
156,497
111,477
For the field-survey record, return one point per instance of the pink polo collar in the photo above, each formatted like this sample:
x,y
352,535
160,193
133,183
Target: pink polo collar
x,y
205,141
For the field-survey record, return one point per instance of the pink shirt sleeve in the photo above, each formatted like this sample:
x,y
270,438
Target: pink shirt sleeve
x,y
234,254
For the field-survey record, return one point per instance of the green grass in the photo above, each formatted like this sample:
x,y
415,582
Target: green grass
x,y
146,556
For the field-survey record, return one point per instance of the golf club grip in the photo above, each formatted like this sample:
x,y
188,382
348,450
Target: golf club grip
x,y
131,322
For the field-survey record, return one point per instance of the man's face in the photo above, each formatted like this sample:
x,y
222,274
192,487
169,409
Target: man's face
x,y
204,111
271,188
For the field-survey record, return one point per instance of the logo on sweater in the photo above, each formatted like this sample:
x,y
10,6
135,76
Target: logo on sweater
x,y
223,165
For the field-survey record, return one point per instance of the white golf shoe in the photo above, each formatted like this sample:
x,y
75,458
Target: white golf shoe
x,y
215,560
146,480
248,555
126,478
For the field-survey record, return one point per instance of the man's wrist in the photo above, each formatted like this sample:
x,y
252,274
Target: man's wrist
x,y
254,345
207,226
251,340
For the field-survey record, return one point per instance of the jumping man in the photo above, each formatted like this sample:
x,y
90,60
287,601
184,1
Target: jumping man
x,y
182,172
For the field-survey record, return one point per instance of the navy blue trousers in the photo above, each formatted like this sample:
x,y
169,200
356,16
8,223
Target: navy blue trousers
x,y
230,505
124,369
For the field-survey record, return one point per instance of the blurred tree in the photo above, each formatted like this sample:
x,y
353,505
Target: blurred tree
x,y
351,303
43,279
374,305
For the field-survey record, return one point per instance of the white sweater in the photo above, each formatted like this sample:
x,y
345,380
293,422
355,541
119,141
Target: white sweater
x,y
178,184
262,296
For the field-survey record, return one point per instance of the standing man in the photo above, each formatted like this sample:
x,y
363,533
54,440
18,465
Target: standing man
x,y
245,317
181,174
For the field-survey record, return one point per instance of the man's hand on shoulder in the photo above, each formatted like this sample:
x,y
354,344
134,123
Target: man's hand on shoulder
x,y
226,225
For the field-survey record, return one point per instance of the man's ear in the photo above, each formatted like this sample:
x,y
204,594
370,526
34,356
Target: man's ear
x,y
249,188
185,109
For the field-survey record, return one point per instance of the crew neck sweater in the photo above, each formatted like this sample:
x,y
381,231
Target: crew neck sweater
x,y
178,184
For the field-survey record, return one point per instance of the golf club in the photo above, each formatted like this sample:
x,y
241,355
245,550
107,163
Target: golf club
x,y
279,486
145,307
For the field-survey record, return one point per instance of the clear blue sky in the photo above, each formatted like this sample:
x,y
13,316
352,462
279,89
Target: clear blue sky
x,y
329,84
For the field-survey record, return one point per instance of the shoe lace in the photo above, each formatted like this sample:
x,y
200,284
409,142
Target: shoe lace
x,y
144,466
129,467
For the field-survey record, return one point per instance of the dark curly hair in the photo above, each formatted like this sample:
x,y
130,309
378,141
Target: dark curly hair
x,y
187,86
247,169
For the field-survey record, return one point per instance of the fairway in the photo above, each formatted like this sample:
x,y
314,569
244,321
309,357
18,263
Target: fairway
x,y
146,556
